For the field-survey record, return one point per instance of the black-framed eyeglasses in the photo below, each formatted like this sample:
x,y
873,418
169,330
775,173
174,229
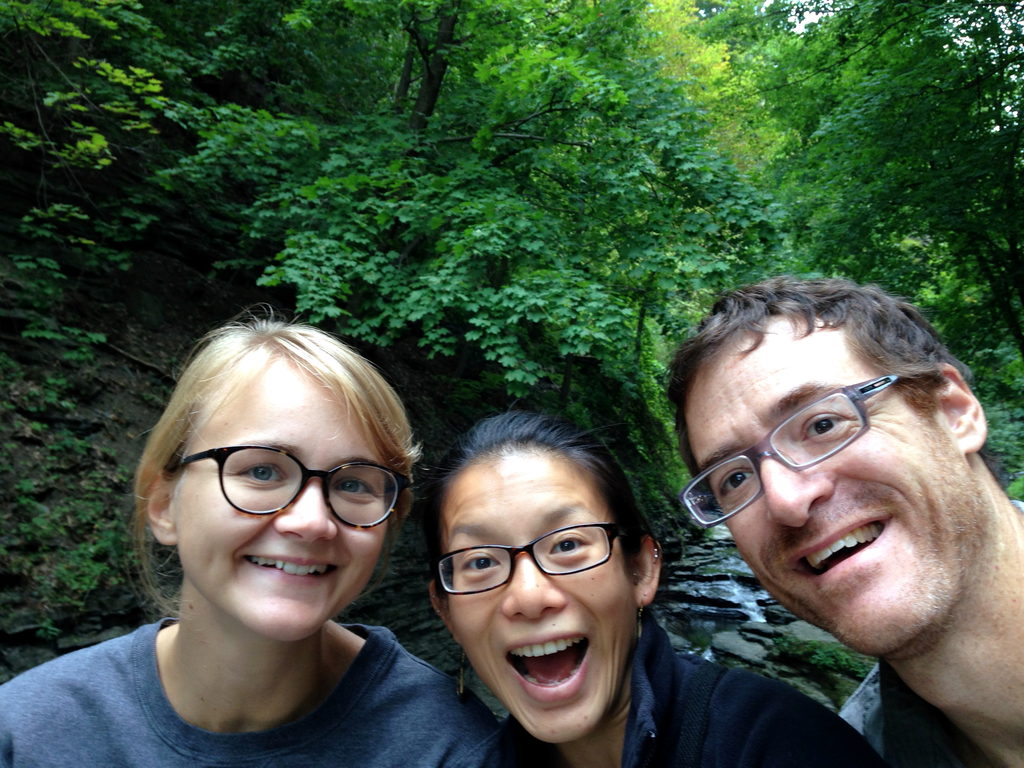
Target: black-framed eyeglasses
x,y
566,550
259,480
808,437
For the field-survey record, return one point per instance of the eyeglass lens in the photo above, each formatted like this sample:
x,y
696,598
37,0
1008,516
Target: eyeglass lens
x,y
567,550
262,481
808,436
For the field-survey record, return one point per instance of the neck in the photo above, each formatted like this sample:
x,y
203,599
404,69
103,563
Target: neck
x,y
974,673
588,753
601,748
225,686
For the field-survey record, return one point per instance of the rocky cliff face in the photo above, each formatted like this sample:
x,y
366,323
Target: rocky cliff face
x,y
712,605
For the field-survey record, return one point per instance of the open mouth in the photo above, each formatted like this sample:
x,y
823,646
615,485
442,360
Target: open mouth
x,y
291,568
847,546
549,663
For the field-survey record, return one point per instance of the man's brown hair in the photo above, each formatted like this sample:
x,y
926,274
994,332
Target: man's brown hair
x,y
883,330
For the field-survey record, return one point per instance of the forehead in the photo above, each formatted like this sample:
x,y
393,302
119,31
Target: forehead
x,y
735,395
514,498
281,405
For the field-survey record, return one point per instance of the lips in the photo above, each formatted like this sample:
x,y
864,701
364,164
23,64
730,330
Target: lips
x,y
294,569
550,663
841,548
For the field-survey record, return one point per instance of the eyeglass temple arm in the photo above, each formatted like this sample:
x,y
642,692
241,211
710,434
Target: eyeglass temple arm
x,y
876,386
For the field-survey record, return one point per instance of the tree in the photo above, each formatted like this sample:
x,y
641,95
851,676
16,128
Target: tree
x,y
903,162
702,56
531,185
514,186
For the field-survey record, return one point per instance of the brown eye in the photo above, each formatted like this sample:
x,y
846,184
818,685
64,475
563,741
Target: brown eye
x,y
821,426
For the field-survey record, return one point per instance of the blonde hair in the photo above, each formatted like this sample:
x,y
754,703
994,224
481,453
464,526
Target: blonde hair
x,y
227,359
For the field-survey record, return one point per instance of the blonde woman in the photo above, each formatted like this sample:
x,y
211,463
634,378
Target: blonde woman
x,y
279,472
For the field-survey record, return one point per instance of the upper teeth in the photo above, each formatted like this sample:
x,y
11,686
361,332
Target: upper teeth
x,y
543,649
292,568
865,533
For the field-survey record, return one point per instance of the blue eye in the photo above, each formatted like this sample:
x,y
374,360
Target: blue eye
x,y
351,485
263,473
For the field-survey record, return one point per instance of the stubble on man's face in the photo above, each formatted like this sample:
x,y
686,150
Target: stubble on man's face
x,y
951,537
906,478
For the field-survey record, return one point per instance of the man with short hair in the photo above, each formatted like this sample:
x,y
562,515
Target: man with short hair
x,y
839,440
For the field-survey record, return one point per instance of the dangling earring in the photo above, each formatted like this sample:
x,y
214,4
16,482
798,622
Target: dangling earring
x,y
460,681
639,621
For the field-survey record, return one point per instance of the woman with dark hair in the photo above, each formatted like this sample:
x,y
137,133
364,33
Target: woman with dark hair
x,y
543,565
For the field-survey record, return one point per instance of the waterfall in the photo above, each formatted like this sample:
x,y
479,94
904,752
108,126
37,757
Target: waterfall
x,y
707,588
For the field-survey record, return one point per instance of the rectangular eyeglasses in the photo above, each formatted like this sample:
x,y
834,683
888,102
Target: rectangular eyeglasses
x,y
566,550
808,437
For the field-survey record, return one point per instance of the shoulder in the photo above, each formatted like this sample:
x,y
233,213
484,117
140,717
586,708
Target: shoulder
x,y
416,704
384,655
77,707
742,690
99,666
782,726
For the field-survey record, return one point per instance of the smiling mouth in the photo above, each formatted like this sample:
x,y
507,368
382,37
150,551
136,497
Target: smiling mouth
x,y
291,568
549,663
848,545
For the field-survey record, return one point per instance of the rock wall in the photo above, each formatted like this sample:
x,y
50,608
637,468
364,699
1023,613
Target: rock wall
x,y
713,606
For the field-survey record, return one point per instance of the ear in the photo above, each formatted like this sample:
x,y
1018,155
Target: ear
x,y
158,510
962,412
646,570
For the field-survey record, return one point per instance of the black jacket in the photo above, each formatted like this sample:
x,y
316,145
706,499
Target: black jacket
x,y
752,722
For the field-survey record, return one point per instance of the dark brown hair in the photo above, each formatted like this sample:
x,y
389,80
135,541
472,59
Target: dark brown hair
x,y
883,330
524,431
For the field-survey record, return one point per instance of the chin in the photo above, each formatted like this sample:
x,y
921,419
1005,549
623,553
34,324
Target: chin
x,y
551,728
286,629
903,637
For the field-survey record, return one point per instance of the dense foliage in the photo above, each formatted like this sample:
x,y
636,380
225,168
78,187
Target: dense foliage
x,y
898,160
516,186
543,194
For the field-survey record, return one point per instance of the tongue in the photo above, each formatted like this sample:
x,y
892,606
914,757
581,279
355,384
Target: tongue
x,y
552,668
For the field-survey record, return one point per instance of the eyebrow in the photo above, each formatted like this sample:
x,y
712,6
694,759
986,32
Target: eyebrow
x,y
783,408
294,450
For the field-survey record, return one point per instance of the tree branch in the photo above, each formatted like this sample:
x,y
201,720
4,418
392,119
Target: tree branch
x,y
523,136
435,65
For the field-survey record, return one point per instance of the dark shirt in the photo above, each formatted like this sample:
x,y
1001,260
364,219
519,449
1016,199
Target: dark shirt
x,y
909,731
752,721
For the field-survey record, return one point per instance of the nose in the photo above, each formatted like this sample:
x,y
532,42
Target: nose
x,y
308,516
791,495
530,592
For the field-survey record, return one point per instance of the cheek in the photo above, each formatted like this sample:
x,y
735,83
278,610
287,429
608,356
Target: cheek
x,y
614,603
467,623
745,533
364,545
199,510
